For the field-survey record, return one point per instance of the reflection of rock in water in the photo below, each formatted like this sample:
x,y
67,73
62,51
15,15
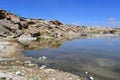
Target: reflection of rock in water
x,y
45,43
9,49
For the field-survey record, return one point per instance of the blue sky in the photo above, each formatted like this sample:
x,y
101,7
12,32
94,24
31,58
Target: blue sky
x,y
87,12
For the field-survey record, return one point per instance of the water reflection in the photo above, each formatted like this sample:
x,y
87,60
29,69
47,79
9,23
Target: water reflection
x,y
45,43
99,57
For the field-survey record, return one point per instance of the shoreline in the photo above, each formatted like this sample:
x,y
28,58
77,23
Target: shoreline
x,y
32,72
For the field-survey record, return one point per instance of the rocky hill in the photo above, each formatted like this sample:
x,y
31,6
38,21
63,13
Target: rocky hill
x,y
14,27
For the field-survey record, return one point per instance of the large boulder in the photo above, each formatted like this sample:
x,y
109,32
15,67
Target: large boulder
x,y
9,25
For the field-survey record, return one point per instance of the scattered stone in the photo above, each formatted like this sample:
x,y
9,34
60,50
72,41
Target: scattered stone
x,y
43,57
31,65
49,70
86,72
18,73
27,62
91,78
43,67
46,37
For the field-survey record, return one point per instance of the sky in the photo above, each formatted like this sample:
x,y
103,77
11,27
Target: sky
x,y
79,12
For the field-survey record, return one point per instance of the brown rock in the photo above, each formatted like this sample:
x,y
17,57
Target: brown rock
x,y
33,30
18,33
2,14
56,22
14,18
23,24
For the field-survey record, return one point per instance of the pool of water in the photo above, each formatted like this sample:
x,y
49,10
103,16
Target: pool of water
x,y
100,57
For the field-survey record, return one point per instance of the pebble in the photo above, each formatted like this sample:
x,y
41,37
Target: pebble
x,y
31,64
43,66
91,78
27,62
86,72
18,73
43,57
17,61
49,70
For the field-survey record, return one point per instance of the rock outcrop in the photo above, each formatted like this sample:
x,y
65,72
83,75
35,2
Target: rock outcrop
x,y
14,27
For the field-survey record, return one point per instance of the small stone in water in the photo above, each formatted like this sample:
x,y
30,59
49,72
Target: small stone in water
x,y
91,78
86,72
43,57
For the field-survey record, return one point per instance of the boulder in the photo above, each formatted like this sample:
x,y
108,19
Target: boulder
x,y
18,33
2,14
56,22
33,31
23,24
14,18
9,26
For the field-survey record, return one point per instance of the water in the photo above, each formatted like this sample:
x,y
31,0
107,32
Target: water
x,y
100,57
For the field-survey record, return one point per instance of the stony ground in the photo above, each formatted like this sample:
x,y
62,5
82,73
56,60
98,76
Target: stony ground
x,y
17,70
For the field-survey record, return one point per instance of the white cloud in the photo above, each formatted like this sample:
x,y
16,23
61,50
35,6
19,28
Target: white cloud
x,y
76,23
111,19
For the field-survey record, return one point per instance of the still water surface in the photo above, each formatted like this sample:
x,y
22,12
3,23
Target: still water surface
x,y
100,57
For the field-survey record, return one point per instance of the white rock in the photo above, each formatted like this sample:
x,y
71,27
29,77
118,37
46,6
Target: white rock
x,y
46,37
18,73
44,57
43,66
86,72
2,47
91,78
49,70
31,65
27,62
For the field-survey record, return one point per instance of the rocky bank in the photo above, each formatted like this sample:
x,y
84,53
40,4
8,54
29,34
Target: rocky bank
x,y
14,27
